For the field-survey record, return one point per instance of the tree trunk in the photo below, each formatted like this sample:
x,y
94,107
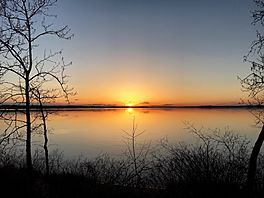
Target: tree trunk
x,y
253,160
28,121
45,137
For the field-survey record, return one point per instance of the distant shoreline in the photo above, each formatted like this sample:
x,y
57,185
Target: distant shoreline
x,y
65,107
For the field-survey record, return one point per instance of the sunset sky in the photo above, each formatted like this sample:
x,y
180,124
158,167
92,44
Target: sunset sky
x,y
157,51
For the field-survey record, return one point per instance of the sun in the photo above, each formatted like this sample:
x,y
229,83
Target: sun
x,y
130,104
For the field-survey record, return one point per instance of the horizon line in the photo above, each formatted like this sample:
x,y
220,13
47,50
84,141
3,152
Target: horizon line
x,y
102,106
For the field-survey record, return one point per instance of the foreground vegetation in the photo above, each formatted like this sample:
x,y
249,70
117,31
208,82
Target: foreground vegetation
x,y
215,166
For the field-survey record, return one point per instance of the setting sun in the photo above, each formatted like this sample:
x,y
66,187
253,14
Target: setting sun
x,y
130,104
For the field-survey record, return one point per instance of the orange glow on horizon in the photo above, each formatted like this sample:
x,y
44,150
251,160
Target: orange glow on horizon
x,y
131,103
136,94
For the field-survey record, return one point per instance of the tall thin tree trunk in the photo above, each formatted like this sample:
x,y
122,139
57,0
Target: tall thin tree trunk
x,y
28,112
134,152
253,159
28,121
45,137
46,149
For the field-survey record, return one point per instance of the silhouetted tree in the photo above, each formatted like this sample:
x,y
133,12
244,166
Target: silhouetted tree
x,y
43,97
254,84
23,23
136,153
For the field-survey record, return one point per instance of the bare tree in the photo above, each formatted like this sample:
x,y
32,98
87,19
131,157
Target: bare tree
x,y
44,97
23,23
136,153
254,84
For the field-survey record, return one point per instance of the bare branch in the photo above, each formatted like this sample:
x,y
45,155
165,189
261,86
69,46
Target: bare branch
x,y
20,31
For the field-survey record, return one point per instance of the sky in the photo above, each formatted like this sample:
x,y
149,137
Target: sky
x,y
156,51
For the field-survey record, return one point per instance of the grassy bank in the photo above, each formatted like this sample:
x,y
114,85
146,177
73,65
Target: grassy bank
x,y
216,166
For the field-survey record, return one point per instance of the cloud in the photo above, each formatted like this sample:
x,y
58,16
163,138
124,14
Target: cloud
x,y
144,103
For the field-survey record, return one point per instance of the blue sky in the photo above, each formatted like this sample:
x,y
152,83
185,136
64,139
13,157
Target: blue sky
x,y
180,52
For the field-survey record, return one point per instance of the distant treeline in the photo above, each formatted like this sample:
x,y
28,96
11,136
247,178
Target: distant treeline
x,y
47,106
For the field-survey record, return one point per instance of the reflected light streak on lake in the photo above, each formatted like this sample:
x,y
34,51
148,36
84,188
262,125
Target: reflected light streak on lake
x,y
94,132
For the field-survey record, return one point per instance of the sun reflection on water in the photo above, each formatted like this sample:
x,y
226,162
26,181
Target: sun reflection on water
x,y
130,111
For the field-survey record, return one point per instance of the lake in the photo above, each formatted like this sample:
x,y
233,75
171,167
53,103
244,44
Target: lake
x,y
97,131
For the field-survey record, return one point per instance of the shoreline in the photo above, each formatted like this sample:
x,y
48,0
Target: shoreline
x,y
21,107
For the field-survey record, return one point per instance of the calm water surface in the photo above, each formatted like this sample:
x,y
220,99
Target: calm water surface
x,y
94,132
